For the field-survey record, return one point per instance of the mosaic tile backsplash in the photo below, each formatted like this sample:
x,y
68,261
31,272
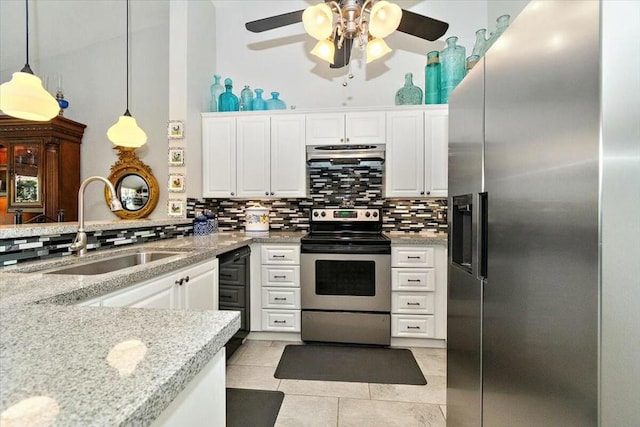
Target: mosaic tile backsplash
x,y
359,186
42,247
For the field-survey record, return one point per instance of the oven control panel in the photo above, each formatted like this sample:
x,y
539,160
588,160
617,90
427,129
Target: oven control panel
x,y
345,215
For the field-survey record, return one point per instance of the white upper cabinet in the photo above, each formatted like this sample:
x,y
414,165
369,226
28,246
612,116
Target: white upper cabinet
x,y
417,153
219,157
288,167
345,128
254,152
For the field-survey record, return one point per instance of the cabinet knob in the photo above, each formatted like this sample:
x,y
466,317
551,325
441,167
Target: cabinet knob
x,y
422,193
186,279
341,139
347,139
179,281
272,193
233,194
428,192
266,193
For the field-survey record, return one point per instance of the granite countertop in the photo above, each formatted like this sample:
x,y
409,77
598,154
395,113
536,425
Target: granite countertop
x,y
60,352
425,238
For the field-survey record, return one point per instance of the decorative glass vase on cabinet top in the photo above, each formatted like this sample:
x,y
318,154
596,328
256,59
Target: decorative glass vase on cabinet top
x,y
432,78
246,99
227,100
453,68
274,103
409,94
216,89
258,103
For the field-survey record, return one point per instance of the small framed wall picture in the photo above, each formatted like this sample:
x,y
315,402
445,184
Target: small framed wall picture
x,y
175,129
176,183
175,207
176,156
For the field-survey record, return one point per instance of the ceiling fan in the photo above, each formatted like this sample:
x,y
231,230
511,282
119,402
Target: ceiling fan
x,y
366,22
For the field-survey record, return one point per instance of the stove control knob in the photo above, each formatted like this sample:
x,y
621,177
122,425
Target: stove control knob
x,y
315,213
368,214
375,214
323,214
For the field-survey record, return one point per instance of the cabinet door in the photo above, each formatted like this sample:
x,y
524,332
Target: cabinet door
x,y
253,148
365,128
436,151
200,291
325,129
288,167
156,293
219,157
405,154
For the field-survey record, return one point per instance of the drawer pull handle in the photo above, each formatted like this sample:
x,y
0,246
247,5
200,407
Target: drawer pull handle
x,y
414,280
226,296
279,299
277,256
279,277
413,257
279,321
413,303
413,327
226,275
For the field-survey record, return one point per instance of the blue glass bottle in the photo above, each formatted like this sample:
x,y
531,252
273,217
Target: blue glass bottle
x,y
453,68
258,103
409,94
432,78
227,100
215,89
274,103
246,98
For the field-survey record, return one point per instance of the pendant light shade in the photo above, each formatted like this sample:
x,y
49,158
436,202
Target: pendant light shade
x,y
318,21
24,96
384,18
376,48
126,132
324,49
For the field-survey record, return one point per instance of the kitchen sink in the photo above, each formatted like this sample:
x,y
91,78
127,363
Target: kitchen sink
x,y
111,264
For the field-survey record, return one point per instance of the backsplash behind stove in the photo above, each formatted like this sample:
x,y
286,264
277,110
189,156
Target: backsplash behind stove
x,y
360,186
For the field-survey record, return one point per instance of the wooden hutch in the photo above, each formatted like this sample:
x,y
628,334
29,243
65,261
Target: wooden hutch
x,y
39,168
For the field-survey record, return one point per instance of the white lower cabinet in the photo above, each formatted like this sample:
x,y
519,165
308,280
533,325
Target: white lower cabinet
x,y
194,287
281,320
419,292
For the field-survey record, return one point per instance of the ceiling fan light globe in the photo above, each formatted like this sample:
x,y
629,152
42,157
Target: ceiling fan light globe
x,y
384,18
127,133
318,21
24,97
376,48
324,50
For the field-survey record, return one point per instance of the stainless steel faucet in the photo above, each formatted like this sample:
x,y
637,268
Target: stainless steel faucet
x,y
79,244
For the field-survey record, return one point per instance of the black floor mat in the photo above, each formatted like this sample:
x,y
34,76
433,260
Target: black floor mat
x,y
347,363
254,408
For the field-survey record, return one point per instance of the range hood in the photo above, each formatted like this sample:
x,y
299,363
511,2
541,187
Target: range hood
x,y
345,154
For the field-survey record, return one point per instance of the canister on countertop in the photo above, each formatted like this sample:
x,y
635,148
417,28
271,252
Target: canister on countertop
x,y
256,219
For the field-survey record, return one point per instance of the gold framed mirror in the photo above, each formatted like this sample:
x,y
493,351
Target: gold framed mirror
x,y
135,184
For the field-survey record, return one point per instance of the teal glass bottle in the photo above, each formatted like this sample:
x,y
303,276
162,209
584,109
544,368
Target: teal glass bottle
x,y
501,25
216,89
227,100
432,78
246,99
453,68
481,41
258,103
409,94
274,103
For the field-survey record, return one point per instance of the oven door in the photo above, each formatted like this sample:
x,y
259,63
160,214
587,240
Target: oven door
x,y
345,282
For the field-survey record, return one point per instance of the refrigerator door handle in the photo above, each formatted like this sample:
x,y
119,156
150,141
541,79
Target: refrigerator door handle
x,y
482,235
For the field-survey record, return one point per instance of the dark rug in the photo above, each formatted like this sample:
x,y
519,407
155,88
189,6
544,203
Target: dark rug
x,y
255,408
352,364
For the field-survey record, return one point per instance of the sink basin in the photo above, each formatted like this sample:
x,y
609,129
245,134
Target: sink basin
x,y
109,265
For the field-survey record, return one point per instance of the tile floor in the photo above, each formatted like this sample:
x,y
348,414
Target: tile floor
x,y
344,404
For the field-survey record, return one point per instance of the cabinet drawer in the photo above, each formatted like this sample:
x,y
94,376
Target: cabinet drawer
x,y
281,320
280,254
232,296
288,276
413,279
412,302
412,257
243,315
288,298
232,275
406,325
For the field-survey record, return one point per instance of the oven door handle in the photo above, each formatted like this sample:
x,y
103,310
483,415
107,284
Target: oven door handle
x,y
346,249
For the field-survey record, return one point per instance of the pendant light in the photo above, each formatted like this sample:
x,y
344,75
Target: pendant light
x,y
24,96
126,132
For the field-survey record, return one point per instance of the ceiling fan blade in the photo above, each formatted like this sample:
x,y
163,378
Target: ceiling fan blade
x,y
422,26
342,56
272,22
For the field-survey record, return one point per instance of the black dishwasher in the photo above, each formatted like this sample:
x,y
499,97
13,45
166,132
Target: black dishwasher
x,y
234,291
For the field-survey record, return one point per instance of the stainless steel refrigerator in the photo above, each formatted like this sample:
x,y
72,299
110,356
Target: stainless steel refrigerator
x,y
525,212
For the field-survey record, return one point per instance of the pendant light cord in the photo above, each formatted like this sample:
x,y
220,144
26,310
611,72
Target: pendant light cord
x,y
27,68
127,113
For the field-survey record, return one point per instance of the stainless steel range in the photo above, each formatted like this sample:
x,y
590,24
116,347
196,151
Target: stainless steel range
x,y
345,269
